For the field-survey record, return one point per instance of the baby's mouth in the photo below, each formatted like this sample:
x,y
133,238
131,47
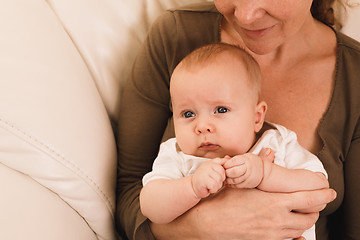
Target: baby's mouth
x,y
208,146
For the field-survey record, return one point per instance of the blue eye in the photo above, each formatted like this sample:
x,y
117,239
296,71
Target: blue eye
x,y
221,110
188,114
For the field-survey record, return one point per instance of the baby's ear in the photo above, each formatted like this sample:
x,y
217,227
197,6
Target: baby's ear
x,y
260,111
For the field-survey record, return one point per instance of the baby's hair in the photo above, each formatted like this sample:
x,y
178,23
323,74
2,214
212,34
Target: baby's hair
x,y
209,53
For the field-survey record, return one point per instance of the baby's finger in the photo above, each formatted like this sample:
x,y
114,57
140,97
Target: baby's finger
x,y
236,171
220,161
233,163
215,183
235,181
220,171
300,238
267,154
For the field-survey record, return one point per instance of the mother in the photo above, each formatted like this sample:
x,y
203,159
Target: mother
x,y
311,84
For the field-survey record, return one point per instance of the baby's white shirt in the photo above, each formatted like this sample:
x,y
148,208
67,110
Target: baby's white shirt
x,y
171,163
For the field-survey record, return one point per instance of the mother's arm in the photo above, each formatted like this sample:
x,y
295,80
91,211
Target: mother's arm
x,y
247,214
352,189
144,114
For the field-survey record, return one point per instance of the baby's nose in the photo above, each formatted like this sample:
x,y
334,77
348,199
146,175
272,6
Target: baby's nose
x,y
204,127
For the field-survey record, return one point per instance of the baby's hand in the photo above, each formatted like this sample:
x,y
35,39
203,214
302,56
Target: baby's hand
x,y
244,171
208,178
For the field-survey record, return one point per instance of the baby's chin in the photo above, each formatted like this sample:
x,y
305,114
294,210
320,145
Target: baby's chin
x,y
210,155
216,153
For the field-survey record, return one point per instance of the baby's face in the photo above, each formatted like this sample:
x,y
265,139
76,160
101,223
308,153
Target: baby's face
x,y
215,111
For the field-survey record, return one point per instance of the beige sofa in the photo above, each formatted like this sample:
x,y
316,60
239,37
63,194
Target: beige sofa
x,y
62,66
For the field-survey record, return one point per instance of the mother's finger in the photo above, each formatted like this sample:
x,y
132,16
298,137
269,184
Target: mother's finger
x,y
301,221
293,234
297,223
301,201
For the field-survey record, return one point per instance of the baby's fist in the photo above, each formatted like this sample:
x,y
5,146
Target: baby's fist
x,y
208,178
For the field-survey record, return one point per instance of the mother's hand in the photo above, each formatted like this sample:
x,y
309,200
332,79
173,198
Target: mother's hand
x,y
247,214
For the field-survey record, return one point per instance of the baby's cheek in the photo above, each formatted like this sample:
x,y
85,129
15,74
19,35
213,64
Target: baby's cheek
x,y
187,147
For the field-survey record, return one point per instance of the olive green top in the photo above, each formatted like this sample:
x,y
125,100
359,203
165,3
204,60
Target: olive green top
x,y
146,112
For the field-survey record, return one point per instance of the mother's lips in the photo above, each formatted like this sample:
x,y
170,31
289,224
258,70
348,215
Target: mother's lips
x,y
257,33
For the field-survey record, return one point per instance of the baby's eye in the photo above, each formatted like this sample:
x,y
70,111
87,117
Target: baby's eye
x,y
221,110
188,114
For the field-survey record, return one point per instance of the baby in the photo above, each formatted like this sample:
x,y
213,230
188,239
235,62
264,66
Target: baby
x,y
220,130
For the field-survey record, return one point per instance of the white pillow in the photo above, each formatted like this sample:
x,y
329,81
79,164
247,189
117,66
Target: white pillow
x,y
108,34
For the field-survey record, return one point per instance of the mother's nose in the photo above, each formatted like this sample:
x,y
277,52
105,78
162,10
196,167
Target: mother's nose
x,y
248,11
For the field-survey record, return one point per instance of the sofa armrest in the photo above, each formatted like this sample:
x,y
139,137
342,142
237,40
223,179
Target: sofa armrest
x,y
54,128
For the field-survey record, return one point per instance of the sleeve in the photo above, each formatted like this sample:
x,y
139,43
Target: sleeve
x,y
297,157
144,113
167,165
351,201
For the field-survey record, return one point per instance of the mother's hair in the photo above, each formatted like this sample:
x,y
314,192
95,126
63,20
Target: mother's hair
x,y
323,10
